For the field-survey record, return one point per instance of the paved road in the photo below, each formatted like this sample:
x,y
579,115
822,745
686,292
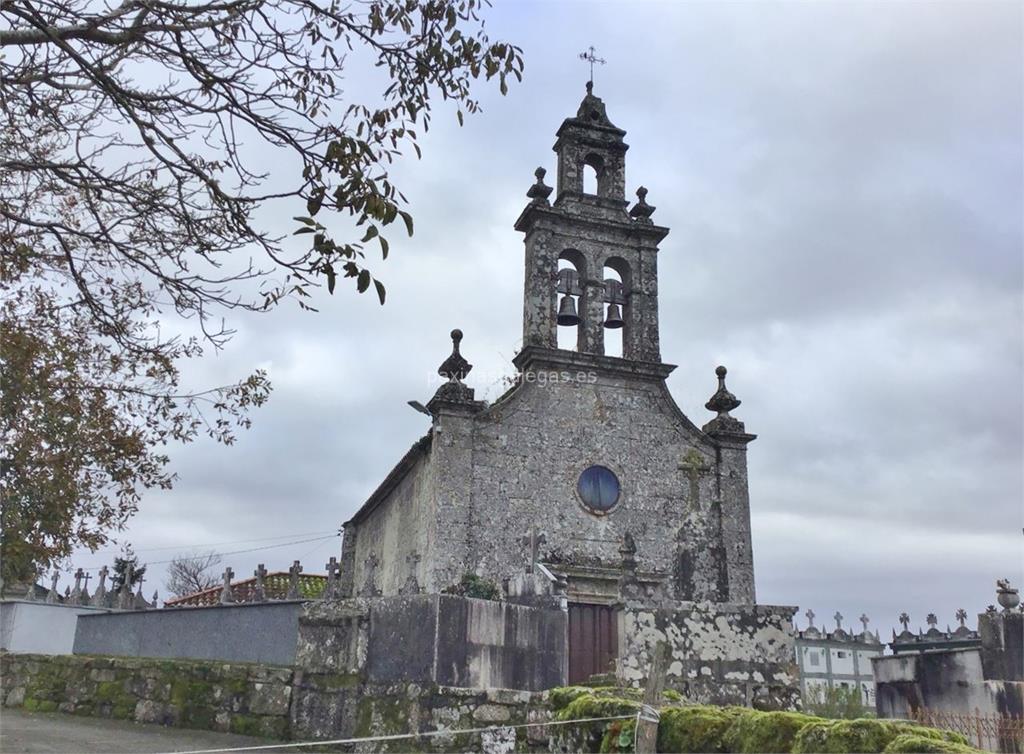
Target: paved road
x,y
54,733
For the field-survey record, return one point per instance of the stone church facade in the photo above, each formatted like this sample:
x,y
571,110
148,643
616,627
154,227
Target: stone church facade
x,y
609,520
465,497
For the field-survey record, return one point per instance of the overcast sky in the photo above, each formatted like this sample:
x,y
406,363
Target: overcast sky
x,y
843,185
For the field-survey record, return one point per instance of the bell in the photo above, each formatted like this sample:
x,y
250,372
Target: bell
x,y
567,312
614,319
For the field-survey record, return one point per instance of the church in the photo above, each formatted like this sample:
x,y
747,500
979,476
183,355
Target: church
x,y
585,470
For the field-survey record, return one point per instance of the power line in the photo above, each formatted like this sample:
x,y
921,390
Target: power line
x,y
222,544
236,552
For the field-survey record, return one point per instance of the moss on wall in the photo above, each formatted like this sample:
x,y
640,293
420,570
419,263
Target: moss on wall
x,y
235,697
697,728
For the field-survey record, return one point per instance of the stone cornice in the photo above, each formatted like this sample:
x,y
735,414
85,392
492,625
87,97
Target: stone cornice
x,y
561,220
538,357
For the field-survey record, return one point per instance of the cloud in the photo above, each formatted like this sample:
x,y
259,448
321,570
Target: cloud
x,y
844,190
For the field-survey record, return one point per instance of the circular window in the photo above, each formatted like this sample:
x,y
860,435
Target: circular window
x,y
598,488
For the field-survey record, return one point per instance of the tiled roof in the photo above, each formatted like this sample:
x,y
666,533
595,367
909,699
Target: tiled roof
x,y
275,587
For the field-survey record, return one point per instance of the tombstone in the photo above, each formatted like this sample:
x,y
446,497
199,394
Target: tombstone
x,y
100,598
76,593
52,597
331,589
293,581
227,594
83,598
259,594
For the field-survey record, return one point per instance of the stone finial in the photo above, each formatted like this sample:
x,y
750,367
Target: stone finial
x,y
810,618
627,550
864,620
961,616
124,595
259,594
156,599
293,581
455,367
227,594
454,370
838,618
931,619
533,542
641,211
52,596
722,402
539,192
905,621
1007,597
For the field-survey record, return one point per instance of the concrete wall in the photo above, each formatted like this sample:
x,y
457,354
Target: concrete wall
x,y
440,639
720,654
264,632
947,681
40,627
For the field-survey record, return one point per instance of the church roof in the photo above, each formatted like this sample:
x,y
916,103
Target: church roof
x,y
419,449
275,587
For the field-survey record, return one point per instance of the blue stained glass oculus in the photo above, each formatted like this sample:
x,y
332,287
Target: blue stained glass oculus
x,y
598,488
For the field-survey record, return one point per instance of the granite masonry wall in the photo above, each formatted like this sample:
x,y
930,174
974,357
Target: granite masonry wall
x,y
720,654
240,698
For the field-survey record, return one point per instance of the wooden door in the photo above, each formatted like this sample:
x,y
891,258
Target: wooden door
x,y
593,640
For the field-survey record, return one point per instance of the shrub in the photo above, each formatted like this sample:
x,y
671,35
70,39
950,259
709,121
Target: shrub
x,y
839,703
476,587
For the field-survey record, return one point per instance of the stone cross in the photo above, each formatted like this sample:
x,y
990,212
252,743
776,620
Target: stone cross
x,y
693,465
533,540
101,590
931,619
838,618
77,591
332,578
864,621
905,621
293,581
260,573
961,615
227,596
590,55
52,594
30,595
810,618
125,595
83,598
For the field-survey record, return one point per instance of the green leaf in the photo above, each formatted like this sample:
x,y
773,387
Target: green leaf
x,y
408,220
383,246
329,271
380,291
363,281
371,232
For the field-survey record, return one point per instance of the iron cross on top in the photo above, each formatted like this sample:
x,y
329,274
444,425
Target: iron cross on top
x,y
590,55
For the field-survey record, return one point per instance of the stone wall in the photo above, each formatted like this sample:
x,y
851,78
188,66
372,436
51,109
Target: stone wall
x,y
253,632
720,653
240,698
40,627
